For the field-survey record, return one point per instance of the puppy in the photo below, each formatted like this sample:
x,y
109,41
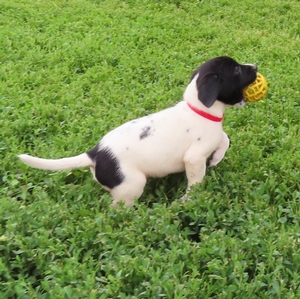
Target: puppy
x,y
179,138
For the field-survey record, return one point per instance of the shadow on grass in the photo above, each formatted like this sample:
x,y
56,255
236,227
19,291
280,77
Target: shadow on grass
x,y
164,190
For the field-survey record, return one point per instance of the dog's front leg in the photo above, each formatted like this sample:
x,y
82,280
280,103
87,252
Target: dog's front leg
x,y
219,153
195,168
195,172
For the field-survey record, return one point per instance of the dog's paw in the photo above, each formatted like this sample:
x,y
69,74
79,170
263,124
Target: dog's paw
x,y
215,161
215,158
185,197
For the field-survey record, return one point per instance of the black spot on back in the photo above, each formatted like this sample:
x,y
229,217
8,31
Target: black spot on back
x,y
107,170
145,132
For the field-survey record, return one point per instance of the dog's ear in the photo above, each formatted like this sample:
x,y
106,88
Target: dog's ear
x,y
208,88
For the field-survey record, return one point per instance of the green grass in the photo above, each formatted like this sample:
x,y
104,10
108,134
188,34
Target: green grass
x,y
72,70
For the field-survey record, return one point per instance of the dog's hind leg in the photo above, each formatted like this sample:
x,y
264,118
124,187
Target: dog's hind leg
x,y
130,189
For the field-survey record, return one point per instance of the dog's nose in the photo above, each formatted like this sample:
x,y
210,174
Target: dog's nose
x,y
253,66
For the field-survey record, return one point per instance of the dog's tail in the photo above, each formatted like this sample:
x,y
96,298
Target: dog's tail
x,y
81,160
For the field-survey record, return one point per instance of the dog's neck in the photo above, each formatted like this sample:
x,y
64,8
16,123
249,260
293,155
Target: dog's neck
x,y
191,96
204,114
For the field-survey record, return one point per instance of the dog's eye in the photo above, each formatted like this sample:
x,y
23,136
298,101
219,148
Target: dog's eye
x,y
237,70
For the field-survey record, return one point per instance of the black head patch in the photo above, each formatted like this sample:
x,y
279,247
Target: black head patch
x,y
223,79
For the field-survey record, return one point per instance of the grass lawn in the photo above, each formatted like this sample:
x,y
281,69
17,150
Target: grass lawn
x,y
70,71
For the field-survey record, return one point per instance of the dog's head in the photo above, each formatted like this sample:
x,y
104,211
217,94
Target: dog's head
x,y
223,79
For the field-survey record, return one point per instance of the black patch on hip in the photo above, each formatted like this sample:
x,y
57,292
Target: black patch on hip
x,y
107,170
145,133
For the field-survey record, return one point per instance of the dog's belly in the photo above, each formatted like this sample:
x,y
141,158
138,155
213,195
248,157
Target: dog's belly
x,y
160,165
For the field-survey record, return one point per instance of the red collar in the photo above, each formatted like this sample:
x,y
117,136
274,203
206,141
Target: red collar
x,y
205,114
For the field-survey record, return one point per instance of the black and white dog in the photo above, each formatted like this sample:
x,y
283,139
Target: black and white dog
x,y
179,138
